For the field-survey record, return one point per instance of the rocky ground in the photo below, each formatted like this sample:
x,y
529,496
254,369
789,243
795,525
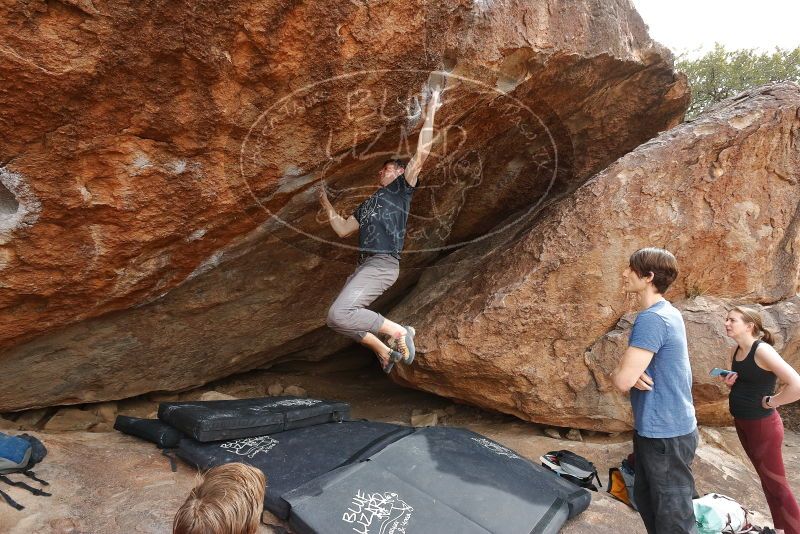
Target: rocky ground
x,y
106,482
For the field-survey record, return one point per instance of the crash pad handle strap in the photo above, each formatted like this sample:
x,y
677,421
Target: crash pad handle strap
x,y
35,491
172,464
32,475
11,502
544,523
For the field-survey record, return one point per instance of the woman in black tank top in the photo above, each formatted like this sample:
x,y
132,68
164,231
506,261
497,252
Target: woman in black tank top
x,y
756,367
750,386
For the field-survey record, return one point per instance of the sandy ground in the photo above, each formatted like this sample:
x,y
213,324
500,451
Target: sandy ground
x,y
105,482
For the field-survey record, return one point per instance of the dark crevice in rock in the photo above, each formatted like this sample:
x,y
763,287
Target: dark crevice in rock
x,y
8,202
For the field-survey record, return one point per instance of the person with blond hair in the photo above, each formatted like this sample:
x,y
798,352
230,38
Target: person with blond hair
x,y
756,366
228,500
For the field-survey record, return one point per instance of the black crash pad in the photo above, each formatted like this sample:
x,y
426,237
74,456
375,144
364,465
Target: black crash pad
x,y
152,430
437,480
296,456
243,418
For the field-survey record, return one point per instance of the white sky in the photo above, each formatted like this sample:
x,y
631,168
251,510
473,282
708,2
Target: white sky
x,y
687,25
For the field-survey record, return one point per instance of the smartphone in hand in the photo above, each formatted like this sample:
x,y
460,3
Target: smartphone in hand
x,y
716,371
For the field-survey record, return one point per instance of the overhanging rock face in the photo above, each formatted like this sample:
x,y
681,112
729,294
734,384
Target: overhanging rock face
x,y
520,327
159,226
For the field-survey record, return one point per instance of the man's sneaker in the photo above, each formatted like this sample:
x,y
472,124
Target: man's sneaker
x,y
405,345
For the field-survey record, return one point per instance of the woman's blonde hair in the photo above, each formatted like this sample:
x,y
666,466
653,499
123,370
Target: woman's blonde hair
x,y
752,316
228,500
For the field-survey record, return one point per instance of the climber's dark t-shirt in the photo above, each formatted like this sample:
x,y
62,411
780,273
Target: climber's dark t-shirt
x,y
382,219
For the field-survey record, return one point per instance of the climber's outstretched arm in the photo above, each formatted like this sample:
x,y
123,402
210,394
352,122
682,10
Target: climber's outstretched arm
x,y
425,140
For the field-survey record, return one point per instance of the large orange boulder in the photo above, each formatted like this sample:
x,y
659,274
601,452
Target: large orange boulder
x,y
515,325
159,226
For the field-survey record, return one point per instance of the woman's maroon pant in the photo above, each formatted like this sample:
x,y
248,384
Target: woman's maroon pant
x,y
762,440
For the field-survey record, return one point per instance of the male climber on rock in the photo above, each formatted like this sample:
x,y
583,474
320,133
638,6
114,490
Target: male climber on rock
x,y
381,224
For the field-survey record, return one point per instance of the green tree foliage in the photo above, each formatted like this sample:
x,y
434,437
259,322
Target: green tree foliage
x,y
721,73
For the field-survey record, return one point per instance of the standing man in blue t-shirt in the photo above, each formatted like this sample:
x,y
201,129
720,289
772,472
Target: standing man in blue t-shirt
x,y
381,224
655,369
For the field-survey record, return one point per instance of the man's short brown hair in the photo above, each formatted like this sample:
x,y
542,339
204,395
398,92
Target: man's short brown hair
x,y
396,162
661,263
228,500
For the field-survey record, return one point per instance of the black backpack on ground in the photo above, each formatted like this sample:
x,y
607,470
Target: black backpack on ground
x,y
18,454
573,467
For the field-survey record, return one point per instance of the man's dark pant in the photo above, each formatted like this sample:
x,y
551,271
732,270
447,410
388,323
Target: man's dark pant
x,y
664,484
